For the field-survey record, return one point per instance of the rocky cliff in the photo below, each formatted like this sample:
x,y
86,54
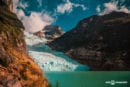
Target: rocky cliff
x,y
8,3
102,42
17,69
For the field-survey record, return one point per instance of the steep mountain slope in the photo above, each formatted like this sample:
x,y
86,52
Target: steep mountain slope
x,y
17,69
102,42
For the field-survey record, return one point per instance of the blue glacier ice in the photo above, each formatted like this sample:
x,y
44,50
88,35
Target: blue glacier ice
x,y
48,59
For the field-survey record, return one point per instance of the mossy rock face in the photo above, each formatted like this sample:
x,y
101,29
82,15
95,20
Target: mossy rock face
x,y
17,69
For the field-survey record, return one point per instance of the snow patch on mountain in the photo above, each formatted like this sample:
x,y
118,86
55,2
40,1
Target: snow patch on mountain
x,y
50,60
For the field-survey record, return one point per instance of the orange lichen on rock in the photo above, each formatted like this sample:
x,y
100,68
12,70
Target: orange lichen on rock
x,y
17,69
29,73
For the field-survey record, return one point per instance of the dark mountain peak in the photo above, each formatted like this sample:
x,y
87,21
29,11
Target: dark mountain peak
x,y
99,40
111,15
53,29
117,14
50,32
98,20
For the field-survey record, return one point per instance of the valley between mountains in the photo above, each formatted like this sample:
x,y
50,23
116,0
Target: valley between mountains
x,y
96,43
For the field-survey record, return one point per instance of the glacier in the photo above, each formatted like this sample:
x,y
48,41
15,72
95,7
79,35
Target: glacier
x,y
48,59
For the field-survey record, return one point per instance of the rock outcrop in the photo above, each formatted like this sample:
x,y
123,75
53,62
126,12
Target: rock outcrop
x,y
50,32
101,42
17,69
9,3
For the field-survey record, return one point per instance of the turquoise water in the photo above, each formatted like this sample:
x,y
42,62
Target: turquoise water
x,y
87,79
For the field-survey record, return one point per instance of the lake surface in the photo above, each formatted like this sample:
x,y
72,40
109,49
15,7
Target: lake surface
x,y
88,79
70,72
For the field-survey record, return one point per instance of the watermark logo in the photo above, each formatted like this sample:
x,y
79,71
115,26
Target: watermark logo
x,y
114,82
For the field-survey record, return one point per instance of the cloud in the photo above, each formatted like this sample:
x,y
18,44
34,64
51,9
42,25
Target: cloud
x,y
40,2
68,6
36,21
98,9
80,5
124,9
109,7
112,6
15,4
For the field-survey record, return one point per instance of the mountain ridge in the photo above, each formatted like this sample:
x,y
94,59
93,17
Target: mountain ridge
x,y
50,32
98,41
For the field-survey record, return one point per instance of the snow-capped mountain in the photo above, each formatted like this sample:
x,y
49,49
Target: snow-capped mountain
x,y
50,32
48,59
